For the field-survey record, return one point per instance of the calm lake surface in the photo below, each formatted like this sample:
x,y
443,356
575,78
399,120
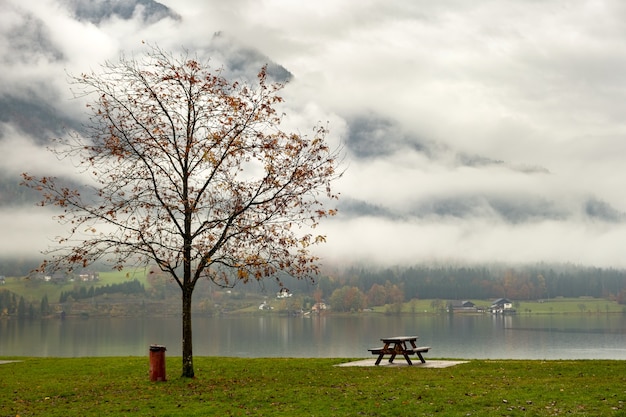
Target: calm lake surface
x,y
458,336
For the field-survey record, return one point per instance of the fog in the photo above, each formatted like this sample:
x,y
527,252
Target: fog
x,y
473,131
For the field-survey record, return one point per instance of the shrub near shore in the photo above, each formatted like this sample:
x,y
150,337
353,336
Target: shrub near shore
x,y
311,387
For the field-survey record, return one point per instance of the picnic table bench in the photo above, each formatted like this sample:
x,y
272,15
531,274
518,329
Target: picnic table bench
x,y
399,345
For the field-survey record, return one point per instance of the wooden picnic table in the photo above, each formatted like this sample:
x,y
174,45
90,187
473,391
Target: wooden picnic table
x,y
399,345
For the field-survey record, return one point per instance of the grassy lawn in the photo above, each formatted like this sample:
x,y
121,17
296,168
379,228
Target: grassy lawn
x,y
550,306
570,305
311,387
33,290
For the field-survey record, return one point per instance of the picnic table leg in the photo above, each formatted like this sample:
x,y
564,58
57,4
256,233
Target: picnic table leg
x,y
382,353
405,354
397,347
421,357
380,357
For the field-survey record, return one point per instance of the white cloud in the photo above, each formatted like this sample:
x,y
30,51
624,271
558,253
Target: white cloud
x,y
524,85
376,241
27,231
20,154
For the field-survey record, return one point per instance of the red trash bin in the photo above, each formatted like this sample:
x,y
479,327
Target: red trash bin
x,y
157,363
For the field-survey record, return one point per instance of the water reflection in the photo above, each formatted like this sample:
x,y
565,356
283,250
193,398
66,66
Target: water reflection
x,y
450,336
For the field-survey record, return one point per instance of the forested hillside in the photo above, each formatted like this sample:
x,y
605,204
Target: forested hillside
x,y
353,289
523,282
376,286
526,282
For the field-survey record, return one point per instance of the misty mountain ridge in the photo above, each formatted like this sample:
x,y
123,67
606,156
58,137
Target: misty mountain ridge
x,y
96,11
28,40
369,138
30,111
372,136
513,210
35,117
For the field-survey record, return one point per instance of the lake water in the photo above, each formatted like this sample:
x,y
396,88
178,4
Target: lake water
x,y
458,336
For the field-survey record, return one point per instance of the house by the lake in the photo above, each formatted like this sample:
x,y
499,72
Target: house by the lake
x,y
283,293
502,306
458,306
265,306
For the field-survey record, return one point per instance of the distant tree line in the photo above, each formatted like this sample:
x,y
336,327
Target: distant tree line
x,y
352,298
524,283
354,289
129,287
357,288
11,305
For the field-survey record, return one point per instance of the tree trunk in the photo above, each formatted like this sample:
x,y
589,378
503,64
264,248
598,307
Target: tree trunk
x,y
187,335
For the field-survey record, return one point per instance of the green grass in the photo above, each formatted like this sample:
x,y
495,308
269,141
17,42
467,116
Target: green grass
x,y
116,277
549,306
33,290
311,387
570,305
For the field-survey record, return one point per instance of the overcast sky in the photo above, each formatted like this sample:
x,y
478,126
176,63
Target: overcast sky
x,y
475,131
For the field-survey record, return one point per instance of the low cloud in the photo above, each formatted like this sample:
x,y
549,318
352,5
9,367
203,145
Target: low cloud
x,y
478,132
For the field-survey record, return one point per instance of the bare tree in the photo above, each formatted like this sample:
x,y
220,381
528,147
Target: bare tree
x,y
192,172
